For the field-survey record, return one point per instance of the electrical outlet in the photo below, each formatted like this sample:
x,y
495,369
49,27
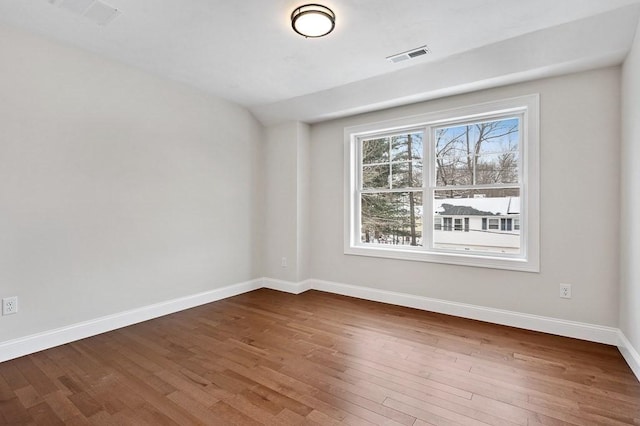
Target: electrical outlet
x,y
283,262
9,305
565,291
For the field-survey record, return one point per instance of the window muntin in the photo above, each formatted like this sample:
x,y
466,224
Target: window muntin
x,y
497,169
391,201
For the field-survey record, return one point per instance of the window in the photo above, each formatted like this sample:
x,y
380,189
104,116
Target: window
x,y
410,182
391,188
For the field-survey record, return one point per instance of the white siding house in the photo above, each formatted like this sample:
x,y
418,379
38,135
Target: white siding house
x,y
477,224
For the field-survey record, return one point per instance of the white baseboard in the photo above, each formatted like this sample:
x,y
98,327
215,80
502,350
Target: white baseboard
x,y
578,330
40,341
560,327
629,353
29,344
286,286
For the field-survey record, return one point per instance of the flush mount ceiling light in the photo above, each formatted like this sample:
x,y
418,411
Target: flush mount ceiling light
x,y
313,20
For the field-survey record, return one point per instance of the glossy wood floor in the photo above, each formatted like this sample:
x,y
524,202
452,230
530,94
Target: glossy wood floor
x,y
272,358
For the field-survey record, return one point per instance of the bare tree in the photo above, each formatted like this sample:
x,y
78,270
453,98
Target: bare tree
x,y
469,141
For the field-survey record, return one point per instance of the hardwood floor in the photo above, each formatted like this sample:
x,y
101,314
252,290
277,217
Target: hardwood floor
x,y
267,357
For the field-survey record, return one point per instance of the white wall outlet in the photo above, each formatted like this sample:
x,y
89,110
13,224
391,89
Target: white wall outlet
x,y
283,262
565,291
10,305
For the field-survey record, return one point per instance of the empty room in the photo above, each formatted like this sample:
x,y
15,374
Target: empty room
x,y
412,212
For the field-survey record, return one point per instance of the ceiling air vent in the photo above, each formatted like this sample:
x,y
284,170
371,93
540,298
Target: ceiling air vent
x,y
410,54
94,10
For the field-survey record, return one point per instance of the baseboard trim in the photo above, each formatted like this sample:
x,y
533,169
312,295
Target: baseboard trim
x,y
629,353
560,327
34,343
286,286
37,342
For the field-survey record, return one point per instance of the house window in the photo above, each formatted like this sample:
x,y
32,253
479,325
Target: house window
x,y
410,181
506,224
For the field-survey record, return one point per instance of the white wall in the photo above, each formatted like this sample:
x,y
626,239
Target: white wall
x,y
286,201
303,194
580,139
630,197
117,189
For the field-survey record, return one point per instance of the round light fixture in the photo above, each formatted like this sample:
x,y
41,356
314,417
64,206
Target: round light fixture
x,y
313,20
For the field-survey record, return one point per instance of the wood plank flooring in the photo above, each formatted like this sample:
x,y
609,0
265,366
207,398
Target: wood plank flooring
x,y
272,358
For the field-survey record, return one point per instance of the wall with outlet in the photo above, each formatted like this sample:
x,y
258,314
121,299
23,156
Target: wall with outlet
x,y
630,200
286,202
10,305
565,291
119,189
579,151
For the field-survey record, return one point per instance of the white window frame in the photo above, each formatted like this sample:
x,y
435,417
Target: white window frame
x,y
527,107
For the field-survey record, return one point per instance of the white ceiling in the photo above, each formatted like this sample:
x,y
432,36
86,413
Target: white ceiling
x,y
245,51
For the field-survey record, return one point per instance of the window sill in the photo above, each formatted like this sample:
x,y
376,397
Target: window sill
x,y
492,262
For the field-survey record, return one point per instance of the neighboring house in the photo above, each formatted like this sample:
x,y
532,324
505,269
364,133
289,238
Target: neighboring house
x,y
477,224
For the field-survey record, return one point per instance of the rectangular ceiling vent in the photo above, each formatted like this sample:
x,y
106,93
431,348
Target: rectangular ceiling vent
x,y
410,54
94,10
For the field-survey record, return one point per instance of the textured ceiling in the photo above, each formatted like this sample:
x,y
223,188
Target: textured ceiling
x,y
246,51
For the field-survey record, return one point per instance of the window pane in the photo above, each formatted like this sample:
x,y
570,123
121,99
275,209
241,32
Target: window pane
x,y
480,153
375,151
402,153
392,218
488,216
375,177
